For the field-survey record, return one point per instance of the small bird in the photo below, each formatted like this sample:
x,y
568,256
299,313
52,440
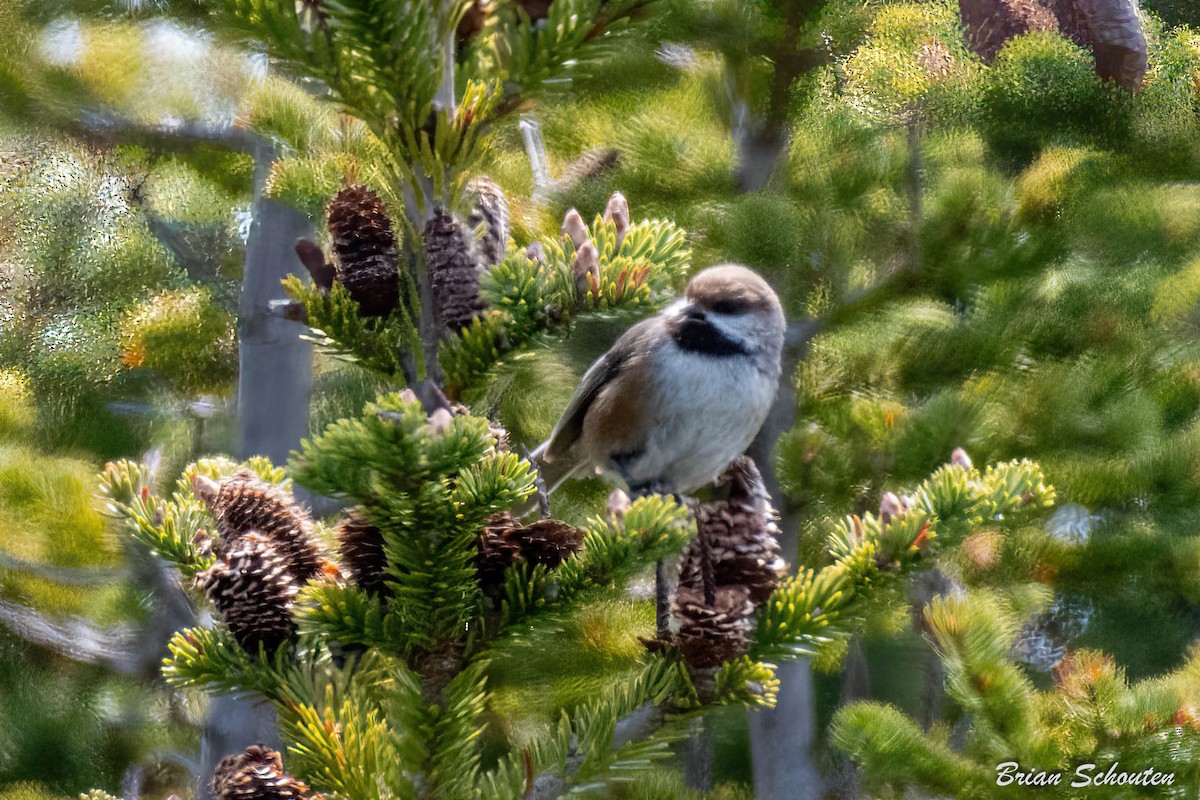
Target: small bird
x,y
680,394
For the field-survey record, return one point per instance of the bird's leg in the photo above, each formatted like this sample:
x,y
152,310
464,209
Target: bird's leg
x,y
706,571
541,494
662,601
662,589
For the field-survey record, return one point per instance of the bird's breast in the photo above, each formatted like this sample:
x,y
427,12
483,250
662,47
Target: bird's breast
x,y
705,413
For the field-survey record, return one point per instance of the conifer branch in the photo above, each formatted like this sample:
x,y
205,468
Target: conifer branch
x,y
816,606
613,552
1091,714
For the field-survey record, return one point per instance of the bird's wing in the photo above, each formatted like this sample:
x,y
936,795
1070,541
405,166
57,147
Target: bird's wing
x,y
602,371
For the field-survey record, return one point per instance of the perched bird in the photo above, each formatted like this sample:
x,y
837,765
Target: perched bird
x,y
681,394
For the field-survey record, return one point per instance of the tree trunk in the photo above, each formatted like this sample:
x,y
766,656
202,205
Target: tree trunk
x,y
275,371
760,146
781,738
698,756
274,380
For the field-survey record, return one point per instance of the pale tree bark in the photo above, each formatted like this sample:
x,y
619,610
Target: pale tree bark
x,y
274,381
275,370
781,739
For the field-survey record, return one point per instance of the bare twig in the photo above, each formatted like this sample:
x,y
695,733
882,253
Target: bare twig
x,y
74,637
662,600
70,576
539,482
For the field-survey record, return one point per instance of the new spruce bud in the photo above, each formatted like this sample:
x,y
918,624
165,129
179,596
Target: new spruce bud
x,y
890,507
574,227
617,212
587,267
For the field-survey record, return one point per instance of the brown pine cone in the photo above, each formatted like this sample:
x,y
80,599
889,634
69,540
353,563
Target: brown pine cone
x,y
251,587
244,502
364,247
360,545
453,265
256,774
547,541
740,534
497,552
711,635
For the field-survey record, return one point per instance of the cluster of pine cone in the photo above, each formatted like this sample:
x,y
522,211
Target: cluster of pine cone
x,y
505,541
366,257
728,571
502,542
265,552
257,774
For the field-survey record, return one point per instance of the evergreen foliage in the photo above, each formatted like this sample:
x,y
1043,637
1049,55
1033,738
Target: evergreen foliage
x,y
1092,715
391,691
1015,273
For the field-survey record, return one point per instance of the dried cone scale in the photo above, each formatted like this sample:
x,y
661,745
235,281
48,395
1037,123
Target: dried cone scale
x,y
256,774
244,502
453,266
548,541
253,589
364,246
740,535
491,213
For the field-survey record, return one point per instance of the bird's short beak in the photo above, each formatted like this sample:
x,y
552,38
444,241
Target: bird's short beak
x,y
692,311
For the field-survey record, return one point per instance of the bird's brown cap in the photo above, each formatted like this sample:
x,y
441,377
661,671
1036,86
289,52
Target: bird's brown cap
x,y
732,287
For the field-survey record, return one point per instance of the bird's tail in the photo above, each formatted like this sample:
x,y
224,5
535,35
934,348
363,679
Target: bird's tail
x,y
565,475
551,474
539,452
554,473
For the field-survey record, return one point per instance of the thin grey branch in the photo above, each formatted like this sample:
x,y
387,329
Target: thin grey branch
x,y
74,637
169,136
70,576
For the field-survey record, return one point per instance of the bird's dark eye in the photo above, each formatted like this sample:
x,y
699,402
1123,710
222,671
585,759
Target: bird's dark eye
x,y
729,307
